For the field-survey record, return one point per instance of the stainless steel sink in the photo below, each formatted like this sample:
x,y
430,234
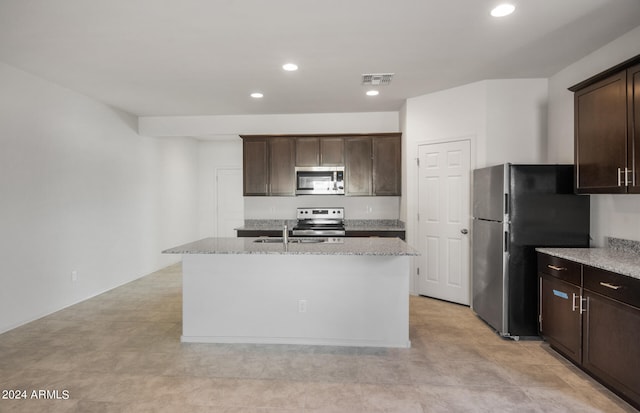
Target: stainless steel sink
x,y
275,240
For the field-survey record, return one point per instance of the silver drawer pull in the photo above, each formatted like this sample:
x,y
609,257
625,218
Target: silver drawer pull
x,y
613,287
553,267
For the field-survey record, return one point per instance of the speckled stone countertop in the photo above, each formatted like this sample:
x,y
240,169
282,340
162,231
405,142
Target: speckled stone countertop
x,y
341,246
349,224
620,256
373,225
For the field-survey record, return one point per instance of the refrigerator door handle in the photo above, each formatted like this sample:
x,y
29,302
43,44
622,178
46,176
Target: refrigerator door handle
x,y
506,241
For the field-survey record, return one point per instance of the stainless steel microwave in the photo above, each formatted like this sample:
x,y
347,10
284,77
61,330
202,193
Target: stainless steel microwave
x,y
319,180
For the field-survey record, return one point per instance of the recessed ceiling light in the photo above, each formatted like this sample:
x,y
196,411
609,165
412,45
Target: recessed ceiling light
x,y
372,93
257,95
503,10
290,67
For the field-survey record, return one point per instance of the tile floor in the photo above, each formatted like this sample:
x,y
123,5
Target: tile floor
x,y
121,352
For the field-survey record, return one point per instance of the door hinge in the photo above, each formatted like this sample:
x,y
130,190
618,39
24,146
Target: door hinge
x,y
418,270
418,162
418,216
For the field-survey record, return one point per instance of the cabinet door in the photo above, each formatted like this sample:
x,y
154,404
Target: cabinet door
x,y
610,344
357,159
560,319
307,152
601,136
633,79
282,155
386,165
255,168
332,151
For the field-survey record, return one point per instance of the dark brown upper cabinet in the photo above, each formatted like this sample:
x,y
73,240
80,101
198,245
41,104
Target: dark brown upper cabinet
x,y
372,162
607,131
282,155
386,165
255,166
633,93
268,166
357,166
373,165
315,151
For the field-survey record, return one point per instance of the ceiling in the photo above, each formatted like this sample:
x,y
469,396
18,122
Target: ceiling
x,y
204,57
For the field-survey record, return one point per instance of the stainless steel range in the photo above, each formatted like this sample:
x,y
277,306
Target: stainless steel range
x,y
319,222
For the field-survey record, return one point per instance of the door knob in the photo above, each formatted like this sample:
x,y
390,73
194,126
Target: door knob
x,y
464,231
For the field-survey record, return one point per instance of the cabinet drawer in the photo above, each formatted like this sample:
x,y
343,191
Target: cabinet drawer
x,y
619,287
565,270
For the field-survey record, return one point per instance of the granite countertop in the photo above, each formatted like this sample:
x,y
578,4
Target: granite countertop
x,y
620,256
350,224
373,225
340,246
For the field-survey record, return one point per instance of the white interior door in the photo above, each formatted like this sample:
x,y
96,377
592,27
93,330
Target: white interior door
x,y
443,221
229,201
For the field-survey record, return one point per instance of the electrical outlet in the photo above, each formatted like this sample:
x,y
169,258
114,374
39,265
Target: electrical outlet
x,y
74,275
302,306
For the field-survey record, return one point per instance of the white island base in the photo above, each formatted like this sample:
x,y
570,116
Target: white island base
x,y
342,300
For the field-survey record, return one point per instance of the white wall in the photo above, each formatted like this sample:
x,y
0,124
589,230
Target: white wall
x,y
505,120
216,126
220,146
516,121
82,191
355,207
227,153
214,154
611,215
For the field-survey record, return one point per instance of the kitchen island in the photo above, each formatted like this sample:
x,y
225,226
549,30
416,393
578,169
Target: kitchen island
x,y
346,292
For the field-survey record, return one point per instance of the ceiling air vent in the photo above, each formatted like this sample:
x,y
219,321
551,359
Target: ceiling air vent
x,y
376,79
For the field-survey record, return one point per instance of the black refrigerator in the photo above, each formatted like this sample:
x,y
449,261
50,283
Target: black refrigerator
x,y
517,208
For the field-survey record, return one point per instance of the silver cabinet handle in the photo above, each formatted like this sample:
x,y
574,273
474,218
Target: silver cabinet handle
x,y
613,287
553,267
623,177
584,300
464,231
574,306
619,176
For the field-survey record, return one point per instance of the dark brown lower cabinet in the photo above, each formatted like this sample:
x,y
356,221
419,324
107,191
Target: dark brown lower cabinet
x,y
592,317
611,342
560,321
